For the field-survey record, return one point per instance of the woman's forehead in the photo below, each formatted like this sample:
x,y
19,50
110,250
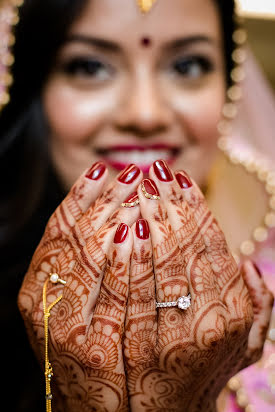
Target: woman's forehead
x,y
118,19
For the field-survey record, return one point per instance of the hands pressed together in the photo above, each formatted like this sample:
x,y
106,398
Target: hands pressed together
x,y
110,347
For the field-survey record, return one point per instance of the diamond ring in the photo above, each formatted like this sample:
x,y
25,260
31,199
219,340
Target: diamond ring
x,y
182,302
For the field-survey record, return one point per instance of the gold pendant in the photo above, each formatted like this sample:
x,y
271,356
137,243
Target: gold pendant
x,y
145,5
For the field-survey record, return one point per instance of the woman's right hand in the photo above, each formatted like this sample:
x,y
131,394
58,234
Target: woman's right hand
x,y
86,326
180,360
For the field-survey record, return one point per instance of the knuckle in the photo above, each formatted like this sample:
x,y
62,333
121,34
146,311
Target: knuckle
x,y
160,214
114,265
175,197
142,257
114,220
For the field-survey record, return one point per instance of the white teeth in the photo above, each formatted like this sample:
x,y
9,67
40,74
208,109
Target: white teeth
x,y
139,157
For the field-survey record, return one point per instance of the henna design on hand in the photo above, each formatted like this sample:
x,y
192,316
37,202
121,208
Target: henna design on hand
x,y
86,326
197,351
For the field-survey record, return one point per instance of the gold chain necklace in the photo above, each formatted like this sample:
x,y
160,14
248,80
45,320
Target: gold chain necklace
x,y
54,278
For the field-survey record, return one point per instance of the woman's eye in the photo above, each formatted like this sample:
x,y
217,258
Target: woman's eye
x,y
87,67
192,67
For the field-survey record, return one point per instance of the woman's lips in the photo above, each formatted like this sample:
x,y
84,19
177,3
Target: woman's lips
x,y
119,156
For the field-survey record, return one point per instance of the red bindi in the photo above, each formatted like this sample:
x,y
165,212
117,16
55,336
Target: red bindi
x,y
146,41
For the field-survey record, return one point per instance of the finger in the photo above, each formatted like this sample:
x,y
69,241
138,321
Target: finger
x,y
128,212
168,263
115,194
141,322
193,195
83,230
83,193
196,268
217,251
107,325
180,215
94,251
262,300
87,264
83,269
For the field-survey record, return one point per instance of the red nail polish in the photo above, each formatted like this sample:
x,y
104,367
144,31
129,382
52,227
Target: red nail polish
x,y
121,233
128,175
96,171
256,267
183,180
162,171
132,198
150,187
131,201
142,229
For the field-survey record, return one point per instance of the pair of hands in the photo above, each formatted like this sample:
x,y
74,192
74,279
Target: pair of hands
x,y
110,348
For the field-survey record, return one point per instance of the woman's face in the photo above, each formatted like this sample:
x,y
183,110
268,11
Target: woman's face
x,y
132,88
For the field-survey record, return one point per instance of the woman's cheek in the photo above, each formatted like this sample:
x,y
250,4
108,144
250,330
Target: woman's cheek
x,y
200,111
75,115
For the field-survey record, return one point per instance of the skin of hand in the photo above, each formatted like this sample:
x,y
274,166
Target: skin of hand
x,y
180,360
86,326
173,359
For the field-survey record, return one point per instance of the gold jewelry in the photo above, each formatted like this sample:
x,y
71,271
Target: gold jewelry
x,y
9,17
130,204
54,278
148,195
46,310
145,5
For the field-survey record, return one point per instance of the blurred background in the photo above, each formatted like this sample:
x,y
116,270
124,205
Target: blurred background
x,y
259,20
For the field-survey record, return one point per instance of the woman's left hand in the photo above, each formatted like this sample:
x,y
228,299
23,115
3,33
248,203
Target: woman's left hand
x,y
181,359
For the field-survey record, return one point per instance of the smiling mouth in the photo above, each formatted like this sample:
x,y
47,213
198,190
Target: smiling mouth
x,y
118,157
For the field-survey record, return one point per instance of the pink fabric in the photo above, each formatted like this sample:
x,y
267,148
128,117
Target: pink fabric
x,y
255,122
254,129
256,380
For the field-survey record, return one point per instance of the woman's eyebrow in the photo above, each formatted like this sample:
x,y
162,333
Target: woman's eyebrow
x,y
189,41
111,46
93,41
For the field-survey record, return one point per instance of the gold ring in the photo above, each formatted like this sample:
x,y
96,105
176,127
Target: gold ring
x,y
130,204
148,195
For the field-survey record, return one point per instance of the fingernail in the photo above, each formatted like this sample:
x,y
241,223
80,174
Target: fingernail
x,y
96,171
183,180
131,201
256,267
162,171
128,175
150,189
142,229
121,233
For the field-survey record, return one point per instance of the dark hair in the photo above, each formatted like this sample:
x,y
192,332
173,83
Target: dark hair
x,y
25,163
24,160
227,12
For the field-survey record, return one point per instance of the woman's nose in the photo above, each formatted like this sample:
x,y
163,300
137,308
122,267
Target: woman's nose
x,y
143,110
